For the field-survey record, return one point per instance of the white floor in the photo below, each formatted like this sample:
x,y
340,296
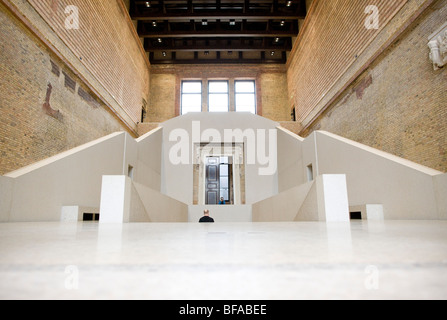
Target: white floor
x,y
390,260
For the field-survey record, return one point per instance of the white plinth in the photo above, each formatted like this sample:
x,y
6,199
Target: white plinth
x,y
333,205
115,199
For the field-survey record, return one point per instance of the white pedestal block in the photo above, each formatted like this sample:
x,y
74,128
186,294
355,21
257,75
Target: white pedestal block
x,y
115,199
372,212
76,213
70,214
333,205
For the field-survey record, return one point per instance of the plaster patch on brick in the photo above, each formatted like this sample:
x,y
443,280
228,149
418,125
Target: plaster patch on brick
x,y
47,107
362,86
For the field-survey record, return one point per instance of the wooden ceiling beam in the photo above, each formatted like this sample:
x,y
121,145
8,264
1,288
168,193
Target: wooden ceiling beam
x,y
222,15
193,29
264,60
242,9
209,34
224,44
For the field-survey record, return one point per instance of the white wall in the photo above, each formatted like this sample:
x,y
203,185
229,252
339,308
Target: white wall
x,y
324,199
71,178
177,180
405,189
440,182
148,167
123,201
290,160
158,207
222,214
6,187
285,206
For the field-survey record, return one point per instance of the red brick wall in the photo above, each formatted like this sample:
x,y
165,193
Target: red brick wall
x,y
107,46
332,38
399,104
28,131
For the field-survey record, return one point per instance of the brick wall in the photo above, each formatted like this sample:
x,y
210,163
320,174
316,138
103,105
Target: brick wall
x,y
106,43
333,38
30,131
399,104
162,101
271,82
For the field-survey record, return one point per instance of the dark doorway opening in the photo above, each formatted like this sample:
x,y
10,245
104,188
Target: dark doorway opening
x,y
90,217
219,180
356,215
293,114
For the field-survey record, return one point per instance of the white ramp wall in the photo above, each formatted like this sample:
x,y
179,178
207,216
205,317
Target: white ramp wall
x,y
72,178
440,183
158,207
325,199
290,160
148,166
123,201
6,189
405,189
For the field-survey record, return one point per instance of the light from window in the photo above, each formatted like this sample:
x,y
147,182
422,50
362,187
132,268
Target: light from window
x,y
245,92
224,173
218,97
191,96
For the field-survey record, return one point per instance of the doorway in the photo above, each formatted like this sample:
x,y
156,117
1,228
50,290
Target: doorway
x,y
90,217
218,171
356,215
218,180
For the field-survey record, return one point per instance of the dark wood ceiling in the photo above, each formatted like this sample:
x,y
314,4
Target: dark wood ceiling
x,y
217,31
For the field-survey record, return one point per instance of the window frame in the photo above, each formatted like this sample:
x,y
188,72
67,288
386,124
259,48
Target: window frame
x,y
182,93
254,94
227,93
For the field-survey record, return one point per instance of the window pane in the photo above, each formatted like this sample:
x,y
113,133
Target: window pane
x,y
191,103
246,103
224,182
191,100
218,102
245,86
192,87
245,96
247,100
218,87
224,170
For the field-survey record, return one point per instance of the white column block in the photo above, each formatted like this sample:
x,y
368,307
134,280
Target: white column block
x,y
333,205
374,212
115,199
70,214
